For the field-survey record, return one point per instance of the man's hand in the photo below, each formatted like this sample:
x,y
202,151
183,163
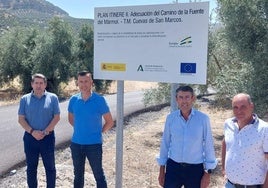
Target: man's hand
x,y
161,179
161,176
205,180
38,135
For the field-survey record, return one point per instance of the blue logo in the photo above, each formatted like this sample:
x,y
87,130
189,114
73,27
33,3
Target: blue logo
x,y
188,67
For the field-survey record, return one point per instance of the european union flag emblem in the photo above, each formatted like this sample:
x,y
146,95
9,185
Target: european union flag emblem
x,y
188,67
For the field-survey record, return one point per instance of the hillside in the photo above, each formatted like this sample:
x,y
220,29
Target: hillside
x,y
40,6
25,13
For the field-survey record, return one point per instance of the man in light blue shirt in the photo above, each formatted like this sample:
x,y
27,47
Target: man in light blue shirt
x,y
187,154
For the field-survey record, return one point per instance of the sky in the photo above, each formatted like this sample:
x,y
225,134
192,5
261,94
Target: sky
x,y
85,8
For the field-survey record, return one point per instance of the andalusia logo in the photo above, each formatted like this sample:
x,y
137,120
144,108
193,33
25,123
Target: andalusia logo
x,y
140,68
185,41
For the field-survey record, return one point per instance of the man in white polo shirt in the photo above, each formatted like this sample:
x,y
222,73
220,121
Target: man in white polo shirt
x,y
245,146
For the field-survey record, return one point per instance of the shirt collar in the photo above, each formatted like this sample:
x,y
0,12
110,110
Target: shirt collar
x,y
44,94
253,121
191,114
92,96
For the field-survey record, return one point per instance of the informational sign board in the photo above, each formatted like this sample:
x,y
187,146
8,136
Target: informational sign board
x,y
158,43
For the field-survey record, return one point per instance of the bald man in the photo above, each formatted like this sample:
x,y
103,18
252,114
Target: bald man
x,y
245,146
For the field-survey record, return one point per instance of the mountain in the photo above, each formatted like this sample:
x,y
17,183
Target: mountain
x,y
27,13
31,6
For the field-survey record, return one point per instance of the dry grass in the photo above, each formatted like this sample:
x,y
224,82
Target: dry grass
x,y
11,93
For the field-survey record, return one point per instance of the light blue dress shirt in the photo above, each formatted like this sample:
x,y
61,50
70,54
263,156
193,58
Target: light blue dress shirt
x,y
188,141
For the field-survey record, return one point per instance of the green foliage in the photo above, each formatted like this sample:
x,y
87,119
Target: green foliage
x,y
158,95
246,31
52,52
53,56
15,59
12,55
245,25
27,52
84,53
223,68
27,64
84,58
49,50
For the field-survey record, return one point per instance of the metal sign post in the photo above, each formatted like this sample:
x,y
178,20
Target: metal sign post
x,y
119,133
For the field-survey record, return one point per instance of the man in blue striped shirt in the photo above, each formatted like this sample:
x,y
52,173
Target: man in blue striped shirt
x,y
187,154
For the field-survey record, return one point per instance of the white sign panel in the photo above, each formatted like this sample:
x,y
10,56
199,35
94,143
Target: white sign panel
x,y
158,43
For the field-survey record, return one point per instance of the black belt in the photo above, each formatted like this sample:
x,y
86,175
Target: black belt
x,y
47,133
186,164
244,186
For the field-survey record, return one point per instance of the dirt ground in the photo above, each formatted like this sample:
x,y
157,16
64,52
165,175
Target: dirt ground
x,y
142,135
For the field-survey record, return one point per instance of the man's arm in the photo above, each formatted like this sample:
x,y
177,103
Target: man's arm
x,y
108,122
24,124
53,123
71,118
210,160
223,154
266,179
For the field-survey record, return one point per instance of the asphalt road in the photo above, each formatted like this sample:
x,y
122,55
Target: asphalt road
x,y
11,133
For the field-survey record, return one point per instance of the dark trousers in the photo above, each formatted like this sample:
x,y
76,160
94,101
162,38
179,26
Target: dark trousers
x,y
94,155
33,148
183,174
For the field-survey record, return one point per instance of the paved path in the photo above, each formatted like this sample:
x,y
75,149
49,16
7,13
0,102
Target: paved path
x,y
11,133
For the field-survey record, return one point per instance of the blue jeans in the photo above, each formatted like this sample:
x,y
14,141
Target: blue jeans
x,y
183,174
33,148
94,155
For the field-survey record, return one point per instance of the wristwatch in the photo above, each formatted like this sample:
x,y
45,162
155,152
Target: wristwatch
x,y
46,133
208,171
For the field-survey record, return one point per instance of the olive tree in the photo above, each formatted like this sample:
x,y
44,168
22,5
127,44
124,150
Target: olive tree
x,y
85,55
246,29
17,47
53,56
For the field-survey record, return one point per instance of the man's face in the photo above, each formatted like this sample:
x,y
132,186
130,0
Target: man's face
x,y
242,109
85,83
185,100
38,86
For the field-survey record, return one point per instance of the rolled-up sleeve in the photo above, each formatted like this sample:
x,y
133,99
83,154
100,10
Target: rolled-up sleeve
x,y
210,160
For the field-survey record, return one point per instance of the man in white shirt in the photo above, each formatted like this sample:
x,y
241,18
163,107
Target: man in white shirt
x,y
245,146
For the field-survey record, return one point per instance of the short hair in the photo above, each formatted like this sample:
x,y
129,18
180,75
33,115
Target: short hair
x,y
84,73
246,95
39,75
249,98
185,89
